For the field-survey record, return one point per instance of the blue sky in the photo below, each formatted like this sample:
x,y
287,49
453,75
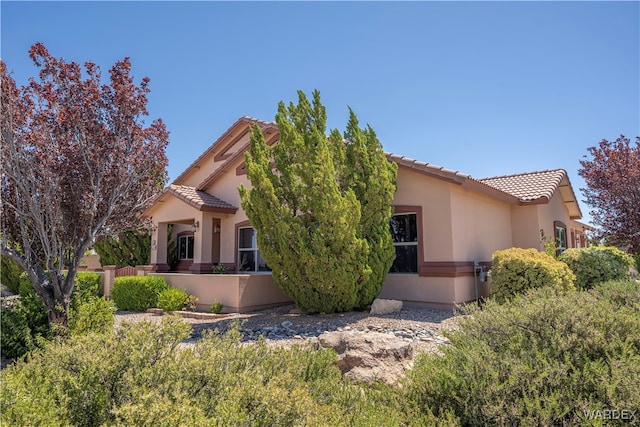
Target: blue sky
x,y
487,88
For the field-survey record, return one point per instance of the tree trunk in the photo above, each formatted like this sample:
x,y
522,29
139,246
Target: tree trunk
x,y
59,316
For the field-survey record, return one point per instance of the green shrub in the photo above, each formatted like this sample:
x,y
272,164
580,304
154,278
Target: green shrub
x,y
93,314
10,274
216,307
25,287
516,270
137,293
138,375
597,264
86,285
540,359
220,269
90,312
172,299
192,303
24,326
620,293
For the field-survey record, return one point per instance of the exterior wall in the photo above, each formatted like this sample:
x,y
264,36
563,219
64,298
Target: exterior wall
x,y
481,225
237,292
174,211
434,196
458,225
414,290
555,210
226,188
526,225
577,234
209,166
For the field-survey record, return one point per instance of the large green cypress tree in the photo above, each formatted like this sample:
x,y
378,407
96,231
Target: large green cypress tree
x,y
306,203
372,177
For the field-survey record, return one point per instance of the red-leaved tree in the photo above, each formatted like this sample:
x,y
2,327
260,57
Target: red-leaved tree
x,y
613,190
77,163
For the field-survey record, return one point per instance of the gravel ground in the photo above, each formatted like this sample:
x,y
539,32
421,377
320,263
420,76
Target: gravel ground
x,y
286,325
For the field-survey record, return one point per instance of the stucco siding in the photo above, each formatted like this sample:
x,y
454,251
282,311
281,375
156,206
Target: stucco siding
x,y
555,210
412,288
434,196
525,226
174,211
226,188
480,225
209,166
237,292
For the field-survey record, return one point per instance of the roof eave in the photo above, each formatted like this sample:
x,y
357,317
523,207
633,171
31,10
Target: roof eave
x,y
539,201
218,209
153,204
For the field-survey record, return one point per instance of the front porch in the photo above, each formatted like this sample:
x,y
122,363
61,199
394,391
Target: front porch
x,y
193,232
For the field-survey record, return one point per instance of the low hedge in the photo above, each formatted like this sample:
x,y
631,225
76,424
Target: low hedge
x,y
597,264
137,293
517,270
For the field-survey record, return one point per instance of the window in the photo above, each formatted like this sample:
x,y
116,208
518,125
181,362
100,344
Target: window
x,y
249,257
185,247
404,232
560,235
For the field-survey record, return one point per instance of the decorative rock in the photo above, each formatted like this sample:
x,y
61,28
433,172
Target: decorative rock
x,y
385,306
369,357
287,324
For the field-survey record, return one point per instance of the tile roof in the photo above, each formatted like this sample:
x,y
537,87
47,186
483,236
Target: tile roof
x,y
200,200
528,186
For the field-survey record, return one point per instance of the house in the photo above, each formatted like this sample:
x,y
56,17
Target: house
x,y
446,226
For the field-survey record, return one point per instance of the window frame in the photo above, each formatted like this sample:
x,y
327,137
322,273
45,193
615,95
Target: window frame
x,y
405,211
253,249
186,236
559,226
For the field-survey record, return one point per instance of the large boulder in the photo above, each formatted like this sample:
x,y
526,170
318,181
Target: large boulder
x,y
370,356
385,306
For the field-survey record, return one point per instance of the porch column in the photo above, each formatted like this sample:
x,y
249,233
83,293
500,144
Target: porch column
x,y
159,247
109,277
202,245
